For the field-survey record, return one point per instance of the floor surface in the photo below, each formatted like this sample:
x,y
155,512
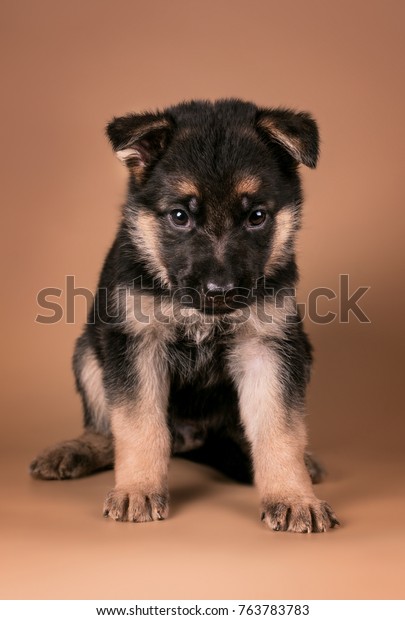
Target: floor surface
x,y
213,545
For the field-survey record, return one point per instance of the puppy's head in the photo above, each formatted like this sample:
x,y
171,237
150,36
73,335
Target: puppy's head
x,y
214,193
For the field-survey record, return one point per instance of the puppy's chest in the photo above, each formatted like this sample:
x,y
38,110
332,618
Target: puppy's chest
x,y
198,357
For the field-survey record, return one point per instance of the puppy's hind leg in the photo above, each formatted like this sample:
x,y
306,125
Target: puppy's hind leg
x,y
74,458
316,471
93,450
225,452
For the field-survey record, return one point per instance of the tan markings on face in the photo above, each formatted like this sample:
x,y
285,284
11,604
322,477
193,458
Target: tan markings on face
x,y
247,185
286,223
277,450
186,187
145,234
92,382
142,438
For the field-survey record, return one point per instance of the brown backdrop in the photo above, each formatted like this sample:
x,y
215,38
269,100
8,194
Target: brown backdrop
x,y
71,66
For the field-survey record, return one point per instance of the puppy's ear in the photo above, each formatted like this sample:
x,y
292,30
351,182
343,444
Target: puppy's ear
x,y
139,139
297,132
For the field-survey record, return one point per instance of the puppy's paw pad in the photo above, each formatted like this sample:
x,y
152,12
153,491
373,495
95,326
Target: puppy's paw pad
x,y
299,516
132,505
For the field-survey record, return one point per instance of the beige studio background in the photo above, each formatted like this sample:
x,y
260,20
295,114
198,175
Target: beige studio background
x,y
68,67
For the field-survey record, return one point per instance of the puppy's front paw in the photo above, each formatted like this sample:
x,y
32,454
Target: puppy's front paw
x,y
131,504
300,515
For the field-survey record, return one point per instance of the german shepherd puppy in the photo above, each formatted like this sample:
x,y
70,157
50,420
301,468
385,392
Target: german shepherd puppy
x,y
194,344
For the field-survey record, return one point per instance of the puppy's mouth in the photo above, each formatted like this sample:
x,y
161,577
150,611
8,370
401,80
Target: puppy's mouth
x,y
218,306
220,303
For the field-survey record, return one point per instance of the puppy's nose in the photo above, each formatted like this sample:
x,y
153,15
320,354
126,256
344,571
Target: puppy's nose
x,y
215,289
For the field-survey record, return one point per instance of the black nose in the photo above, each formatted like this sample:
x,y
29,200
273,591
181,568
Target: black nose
x,y
216,289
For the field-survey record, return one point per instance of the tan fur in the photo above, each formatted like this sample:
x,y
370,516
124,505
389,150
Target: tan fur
x,y
291,144
144,313
142,439
160,318
278,452
268,318
139,311
154,125
138,170
145,234
198,327
247,185
126,154
285,228
92,381
186,187
133,160
142,446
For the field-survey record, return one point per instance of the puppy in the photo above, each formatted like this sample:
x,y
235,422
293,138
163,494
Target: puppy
x,y
194,344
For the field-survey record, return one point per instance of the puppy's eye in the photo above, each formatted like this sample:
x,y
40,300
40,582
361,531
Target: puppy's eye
x,y
179,217
257,217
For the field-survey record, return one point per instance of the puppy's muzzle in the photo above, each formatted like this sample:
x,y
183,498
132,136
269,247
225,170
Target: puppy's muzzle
x,y
225,298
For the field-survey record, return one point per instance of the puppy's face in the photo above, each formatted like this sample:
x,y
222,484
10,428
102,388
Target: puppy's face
x,y
214,194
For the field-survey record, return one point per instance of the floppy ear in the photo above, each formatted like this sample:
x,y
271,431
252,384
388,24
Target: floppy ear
x,y
139,139
297,132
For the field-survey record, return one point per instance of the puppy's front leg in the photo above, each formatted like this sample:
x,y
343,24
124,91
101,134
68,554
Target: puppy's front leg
x,y
142,445
270,413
